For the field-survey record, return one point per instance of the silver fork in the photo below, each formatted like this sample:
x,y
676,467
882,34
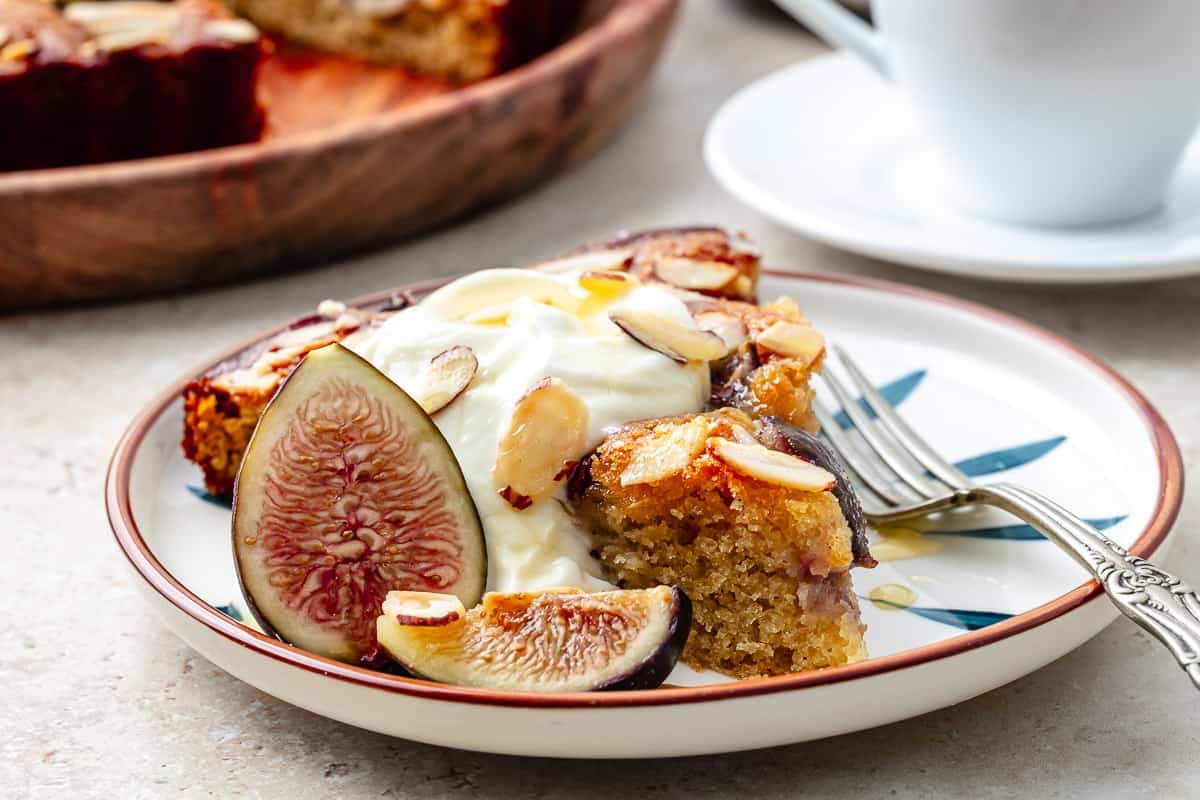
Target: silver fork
x,y
896,463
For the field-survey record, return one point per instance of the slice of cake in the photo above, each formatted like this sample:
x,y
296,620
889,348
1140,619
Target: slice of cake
x,y
118,80
222,408
461,40
754,536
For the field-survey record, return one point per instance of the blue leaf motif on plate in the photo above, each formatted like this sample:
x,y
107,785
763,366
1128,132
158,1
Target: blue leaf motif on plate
x,y
231,611
966,619
1008,458
895,392
223,502
1022,532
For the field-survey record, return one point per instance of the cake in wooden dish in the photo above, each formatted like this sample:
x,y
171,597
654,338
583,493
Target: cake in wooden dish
x,y
460,40
108,81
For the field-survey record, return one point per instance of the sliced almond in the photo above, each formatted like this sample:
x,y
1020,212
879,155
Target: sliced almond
x,y
731,329
665,453
15,51
450,373
785,307
591,261
792,339
546,432
234,31
423,608
331,309
695,275
758,462
673,339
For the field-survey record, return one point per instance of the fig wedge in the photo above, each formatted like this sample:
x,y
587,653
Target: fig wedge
x,y
550,641
348,491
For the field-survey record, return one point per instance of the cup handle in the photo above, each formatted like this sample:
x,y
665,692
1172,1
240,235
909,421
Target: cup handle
x,y
833,23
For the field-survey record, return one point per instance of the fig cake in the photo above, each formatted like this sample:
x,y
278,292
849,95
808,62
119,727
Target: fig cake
x,y
626,416
108,81
460,40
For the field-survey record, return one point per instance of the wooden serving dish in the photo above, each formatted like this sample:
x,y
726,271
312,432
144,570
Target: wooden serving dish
x,y
355,156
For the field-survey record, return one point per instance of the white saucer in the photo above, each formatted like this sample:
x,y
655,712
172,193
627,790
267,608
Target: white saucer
x,y
827,149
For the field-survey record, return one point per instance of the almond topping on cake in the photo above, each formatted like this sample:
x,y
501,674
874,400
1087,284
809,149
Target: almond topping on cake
x,y
731,329
544,440
666,452
673,339
450,373
591,261
758,462
695,275
792,339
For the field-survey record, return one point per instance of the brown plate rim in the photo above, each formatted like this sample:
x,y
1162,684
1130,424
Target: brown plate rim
x,y
135,549
625,18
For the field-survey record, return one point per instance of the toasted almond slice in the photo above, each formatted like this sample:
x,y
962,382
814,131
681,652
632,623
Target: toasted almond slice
x,y
743,286
450,373
731,329
234,31
786,307
423,608
14,51
781,469
664,454
592,261
673,339
793,339
331,309
546,432
697,275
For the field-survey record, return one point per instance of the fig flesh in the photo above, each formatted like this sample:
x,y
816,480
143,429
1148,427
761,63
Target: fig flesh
x,y
549,641
348,491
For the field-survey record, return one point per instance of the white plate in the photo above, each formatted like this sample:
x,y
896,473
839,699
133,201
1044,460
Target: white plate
x,y
827,149
992,601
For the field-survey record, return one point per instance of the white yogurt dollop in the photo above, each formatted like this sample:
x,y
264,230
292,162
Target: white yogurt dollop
x,y
525,326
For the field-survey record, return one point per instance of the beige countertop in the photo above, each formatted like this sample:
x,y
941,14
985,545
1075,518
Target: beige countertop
x,y
101,701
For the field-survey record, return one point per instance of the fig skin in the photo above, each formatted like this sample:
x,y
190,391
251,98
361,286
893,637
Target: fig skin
x,y
385,547
789,438
446,656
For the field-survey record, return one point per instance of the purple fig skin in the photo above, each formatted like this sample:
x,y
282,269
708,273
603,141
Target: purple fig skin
x,y
805,445
651,673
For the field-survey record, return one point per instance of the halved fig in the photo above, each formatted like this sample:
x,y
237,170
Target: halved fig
x,y
550,641
347,491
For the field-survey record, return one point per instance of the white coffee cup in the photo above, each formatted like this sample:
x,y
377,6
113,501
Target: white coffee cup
x,y
1047,112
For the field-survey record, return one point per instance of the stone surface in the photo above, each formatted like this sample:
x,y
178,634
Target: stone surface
x,y
101,701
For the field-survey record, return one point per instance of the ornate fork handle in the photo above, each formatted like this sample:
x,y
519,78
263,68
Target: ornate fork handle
x,y
1160,602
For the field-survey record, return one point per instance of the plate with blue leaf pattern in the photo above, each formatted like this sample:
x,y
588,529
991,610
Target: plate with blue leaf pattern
x,y
957,606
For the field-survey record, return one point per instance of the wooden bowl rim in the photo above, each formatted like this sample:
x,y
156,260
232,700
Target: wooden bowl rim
x,y
625,18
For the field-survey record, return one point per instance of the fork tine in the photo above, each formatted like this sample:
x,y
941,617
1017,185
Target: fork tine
x,y
865,464
929,458
892,454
